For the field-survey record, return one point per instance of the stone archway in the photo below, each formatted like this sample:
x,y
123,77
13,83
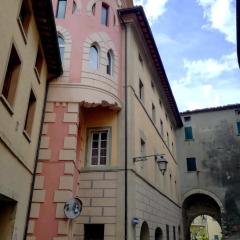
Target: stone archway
x,y
144,233
199,204
158,234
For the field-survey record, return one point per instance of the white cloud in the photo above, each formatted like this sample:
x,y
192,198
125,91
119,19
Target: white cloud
x,y
221,16
153,8
204,70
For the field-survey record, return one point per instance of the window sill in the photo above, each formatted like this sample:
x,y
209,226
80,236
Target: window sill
x,y
6,104
37,74
26,136
22,30
189,140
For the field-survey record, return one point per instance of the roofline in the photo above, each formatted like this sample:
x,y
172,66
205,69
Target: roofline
x,y
147,33
213,109
44,16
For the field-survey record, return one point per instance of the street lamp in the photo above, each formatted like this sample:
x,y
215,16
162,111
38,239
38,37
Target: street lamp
x,y
159,158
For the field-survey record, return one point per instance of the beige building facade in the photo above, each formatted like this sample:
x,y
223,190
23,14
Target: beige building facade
x,y
208,150
26,67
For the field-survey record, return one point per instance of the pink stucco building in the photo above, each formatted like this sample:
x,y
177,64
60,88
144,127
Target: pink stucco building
x,y
89,137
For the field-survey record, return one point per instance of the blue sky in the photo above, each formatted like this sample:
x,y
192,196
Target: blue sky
x,y
197,43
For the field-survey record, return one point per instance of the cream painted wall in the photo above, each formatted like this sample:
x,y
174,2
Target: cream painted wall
x,y
141,122
17,154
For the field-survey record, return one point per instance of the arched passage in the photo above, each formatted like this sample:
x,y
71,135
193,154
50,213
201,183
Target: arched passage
x,y
144,234
199,204
158,234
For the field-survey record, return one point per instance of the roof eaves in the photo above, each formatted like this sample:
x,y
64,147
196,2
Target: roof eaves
x,y
45,21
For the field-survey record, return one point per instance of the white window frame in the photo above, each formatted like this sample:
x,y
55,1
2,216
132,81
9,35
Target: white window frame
x,y
91,131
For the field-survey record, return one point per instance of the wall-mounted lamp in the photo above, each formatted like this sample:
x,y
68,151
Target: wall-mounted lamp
x,y
159,158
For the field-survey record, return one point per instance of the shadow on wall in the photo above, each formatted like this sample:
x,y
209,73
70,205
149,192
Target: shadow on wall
x,y
222,161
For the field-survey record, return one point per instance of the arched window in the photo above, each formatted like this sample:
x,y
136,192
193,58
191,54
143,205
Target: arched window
x,y
61,46
104,14
93,58
74,8
144,234
110,62
158,234
61,8
93,9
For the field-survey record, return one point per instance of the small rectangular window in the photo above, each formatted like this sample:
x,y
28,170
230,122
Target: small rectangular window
x,y
237,112
153,113
191,164
61,8
187,119
141,90
104,14
188,133
30,114
24,18
152,85
167,232
238,128
11,78
93,231
99,148
39,63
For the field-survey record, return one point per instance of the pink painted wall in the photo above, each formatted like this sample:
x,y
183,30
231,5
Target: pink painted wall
x,y
80,25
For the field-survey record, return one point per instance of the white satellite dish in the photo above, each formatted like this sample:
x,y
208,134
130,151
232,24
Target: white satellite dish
x,y
73,208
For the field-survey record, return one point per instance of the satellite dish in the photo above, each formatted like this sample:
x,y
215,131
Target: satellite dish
x,y
73,208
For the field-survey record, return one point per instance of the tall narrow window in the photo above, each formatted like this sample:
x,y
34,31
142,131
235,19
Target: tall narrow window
x,y
143,147
104,14
174,233
110,63
167,232
24,17
161,128
94,9
191,164
61,45
61,8
153,113
99,147
167,139
39,63
93,58
11,77
238,128
30,114
188,133
74,7
141,90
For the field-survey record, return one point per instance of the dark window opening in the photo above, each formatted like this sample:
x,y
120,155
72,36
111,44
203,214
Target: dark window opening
x,y
93,231
11,77
188,133
191,164
61,8
238,128
61,45
187,119
39,62
94,9
24,16
109,63
30,114
153,113
93,58
104,14
141,92
174,233
143,147
140,59
167,232
74,7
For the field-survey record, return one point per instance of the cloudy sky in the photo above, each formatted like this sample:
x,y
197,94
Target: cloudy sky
x,y
197,43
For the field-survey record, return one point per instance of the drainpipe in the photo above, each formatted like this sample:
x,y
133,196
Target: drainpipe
x,y
126,136
35,164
